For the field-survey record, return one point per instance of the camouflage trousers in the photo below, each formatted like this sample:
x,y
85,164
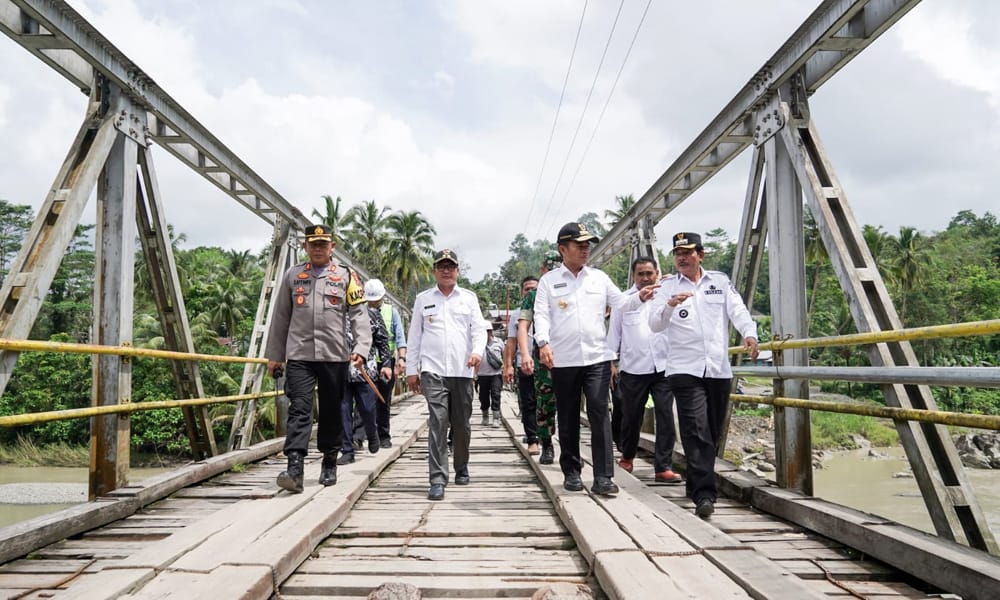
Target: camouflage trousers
x,y
546,399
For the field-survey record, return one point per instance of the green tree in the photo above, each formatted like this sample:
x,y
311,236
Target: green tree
x,y
816,260
365,231
15,222
623,204
331,214
911,258
410,248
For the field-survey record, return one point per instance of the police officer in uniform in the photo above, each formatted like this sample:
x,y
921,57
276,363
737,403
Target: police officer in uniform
x,y
695,309
314,305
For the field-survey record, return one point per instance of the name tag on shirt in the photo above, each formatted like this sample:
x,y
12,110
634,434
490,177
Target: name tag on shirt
x,y
560,289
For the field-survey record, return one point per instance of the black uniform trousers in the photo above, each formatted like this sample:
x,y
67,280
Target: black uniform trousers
x,y
592,381
300,378
701,408
634,390
529,406
489,393
382,409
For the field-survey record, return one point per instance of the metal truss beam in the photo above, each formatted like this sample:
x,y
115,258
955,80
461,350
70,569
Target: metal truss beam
x,y
36,264
63,39
936,466
158,252
836,32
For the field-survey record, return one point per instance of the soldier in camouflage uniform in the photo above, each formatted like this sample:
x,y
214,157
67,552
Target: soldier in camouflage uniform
x,y
545,397
314,305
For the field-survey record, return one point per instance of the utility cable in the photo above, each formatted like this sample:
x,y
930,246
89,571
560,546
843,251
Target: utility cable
x,y
555,120
583,114
600,117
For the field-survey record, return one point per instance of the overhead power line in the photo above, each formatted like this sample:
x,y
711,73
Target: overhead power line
x,y
604,109
555,120
579,123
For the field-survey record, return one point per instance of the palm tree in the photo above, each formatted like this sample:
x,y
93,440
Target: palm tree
x,y
410,246
815,254
365,231
624,204
331,215
910,261
229,301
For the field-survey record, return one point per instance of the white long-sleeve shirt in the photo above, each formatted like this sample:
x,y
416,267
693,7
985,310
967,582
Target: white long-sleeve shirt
x,y
444,332
698,328
640,350
569,315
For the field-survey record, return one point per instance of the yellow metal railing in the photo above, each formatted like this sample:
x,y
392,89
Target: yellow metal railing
x,y
972,328
71,348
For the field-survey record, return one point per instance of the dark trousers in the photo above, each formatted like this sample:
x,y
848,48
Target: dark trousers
x,y
634,391
701,407
382,410
300,378
489,393
616,413
449,404
592,381
359,394
529,406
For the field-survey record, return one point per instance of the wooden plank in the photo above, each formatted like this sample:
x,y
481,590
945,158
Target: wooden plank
x,y
631,574
111,583
430,586
223,583
553,542
453,566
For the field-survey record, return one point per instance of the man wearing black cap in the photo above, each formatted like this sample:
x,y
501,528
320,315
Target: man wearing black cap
x,y
695,308
446,341
569,330
314,306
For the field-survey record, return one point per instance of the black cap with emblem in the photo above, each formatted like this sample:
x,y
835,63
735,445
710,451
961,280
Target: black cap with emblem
x,y
575,232
686,239
318,233
445,255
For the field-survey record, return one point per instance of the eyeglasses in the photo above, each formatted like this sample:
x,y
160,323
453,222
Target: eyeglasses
x,y
446,267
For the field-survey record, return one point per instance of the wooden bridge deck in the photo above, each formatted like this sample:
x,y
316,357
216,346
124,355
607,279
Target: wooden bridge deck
x,y
510,532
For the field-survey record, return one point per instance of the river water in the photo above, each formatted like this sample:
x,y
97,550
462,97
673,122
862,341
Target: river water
x,y
21,497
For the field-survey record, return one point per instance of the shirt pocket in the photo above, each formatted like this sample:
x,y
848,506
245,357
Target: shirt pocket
x,y
333,296
632,318
301,292
462,314
431,312
714,297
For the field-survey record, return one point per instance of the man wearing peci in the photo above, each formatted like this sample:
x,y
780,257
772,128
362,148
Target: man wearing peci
x,y
315,306
569,330
447,338
695,309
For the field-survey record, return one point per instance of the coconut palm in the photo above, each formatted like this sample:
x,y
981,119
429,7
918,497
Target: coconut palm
x,y
623,205
815,254
331,214
910,261
410,247
365,232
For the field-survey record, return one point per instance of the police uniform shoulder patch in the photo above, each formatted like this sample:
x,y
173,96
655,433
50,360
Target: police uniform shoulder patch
x,y
355,290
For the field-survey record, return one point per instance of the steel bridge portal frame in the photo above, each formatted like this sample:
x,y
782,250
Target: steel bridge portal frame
x,y
771,112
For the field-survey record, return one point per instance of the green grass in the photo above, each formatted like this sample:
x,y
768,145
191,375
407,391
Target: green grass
x,y
25,453
835,430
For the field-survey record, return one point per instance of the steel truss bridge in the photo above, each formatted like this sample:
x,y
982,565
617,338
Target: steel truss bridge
x,y
127,114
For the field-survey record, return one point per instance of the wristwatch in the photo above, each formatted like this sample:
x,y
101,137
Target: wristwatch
x,y
543,344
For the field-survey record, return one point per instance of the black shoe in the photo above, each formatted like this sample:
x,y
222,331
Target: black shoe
x,y
462,476
328,472
496,419
548,455
486,420
573,483
346,458
436,492
604,486
705,508
385,443
373,446
291,478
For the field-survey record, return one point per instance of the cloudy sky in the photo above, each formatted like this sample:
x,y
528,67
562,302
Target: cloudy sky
x,y
446,107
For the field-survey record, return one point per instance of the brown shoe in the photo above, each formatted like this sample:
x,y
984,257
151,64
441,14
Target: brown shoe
x,y
626,464
668,476
533,449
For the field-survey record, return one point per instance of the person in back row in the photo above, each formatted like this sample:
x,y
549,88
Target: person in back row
x,y
642,365
361,397
375,296
695,308
569,330
526,397
488,377
446,338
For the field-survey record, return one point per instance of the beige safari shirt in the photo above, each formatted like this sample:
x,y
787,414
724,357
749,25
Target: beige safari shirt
x,y
309,317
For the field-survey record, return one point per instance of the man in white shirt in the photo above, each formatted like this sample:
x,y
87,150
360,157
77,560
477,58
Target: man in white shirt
x,y
695,309
642,361
569,329
446,342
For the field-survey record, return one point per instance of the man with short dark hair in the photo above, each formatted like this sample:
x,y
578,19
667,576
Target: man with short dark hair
x,y
569,330
447,338
375,296
527,400
314,306
695,309
642,364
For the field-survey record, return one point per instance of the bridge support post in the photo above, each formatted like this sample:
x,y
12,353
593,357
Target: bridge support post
x,y
245,417
113,287
936,466
157,250
793,440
